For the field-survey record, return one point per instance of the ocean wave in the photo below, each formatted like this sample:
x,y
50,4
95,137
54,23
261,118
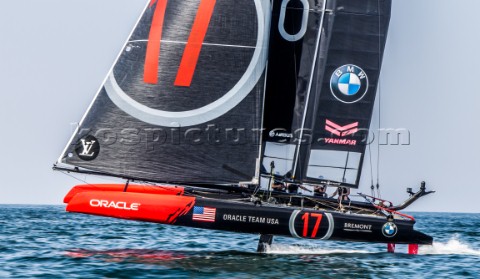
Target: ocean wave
x,y
284,249
452,247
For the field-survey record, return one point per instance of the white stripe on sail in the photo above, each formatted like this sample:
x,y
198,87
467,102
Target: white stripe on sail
x,y
184,43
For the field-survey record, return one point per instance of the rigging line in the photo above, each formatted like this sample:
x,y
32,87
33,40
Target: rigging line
x,y
256,190
261,147
310,83
346,167
371,168
261,151
295,57
76,178
151,185
327,205
379,93
296,84
333,167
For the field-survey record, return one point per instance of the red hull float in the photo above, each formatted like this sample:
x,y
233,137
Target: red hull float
x,y
132,188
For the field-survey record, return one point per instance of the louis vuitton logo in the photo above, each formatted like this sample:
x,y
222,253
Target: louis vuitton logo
x,y
87,148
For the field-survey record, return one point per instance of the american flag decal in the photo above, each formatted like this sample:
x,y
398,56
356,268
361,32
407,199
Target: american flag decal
x,y
204,214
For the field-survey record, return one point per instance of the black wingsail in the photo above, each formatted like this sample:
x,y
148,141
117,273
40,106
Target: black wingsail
x,y
339,112
294,43
183,103
321,87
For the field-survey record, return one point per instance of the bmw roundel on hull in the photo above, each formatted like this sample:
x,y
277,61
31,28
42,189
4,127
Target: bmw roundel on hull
x,y
389,229
349,84
188,70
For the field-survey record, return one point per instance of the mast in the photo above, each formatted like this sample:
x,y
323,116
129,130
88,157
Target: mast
x,y
310,83
294,40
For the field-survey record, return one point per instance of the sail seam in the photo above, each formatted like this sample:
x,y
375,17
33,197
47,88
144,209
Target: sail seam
x,y
333,167
276,157
207,44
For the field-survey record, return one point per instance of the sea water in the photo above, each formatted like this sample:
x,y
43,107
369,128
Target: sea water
x,y
47,242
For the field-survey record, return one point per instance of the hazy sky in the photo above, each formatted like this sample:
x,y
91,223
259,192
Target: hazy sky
x,y
55,54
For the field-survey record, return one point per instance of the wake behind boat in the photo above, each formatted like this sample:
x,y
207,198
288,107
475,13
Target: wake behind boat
x,y
229,109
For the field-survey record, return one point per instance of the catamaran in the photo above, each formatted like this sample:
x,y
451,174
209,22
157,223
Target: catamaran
x,y
231,115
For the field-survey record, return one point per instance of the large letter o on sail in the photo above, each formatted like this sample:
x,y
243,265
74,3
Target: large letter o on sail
x,y
281,22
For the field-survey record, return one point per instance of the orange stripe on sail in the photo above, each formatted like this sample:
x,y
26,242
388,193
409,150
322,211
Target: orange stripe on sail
x,y
153,48
195,42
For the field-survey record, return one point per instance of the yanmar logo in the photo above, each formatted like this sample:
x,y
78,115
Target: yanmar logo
x,y
112,204
341,131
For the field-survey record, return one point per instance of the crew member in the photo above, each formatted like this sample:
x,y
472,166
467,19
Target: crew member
x,y
320,191
292,188
342,193
279,186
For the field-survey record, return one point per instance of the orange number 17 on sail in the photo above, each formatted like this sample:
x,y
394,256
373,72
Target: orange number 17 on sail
x,y
192,49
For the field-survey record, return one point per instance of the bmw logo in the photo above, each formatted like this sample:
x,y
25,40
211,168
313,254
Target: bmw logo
x,y
349,84
389,229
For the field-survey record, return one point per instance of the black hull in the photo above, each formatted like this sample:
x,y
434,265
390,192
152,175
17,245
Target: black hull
x,y
296,222
298,216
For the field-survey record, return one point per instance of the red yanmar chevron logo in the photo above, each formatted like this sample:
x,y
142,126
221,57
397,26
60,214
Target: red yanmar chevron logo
x,y
341,131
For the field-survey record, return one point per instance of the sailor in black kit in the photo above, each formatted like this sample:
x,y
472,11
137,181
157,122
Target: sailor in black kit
x,y
342,193
320,191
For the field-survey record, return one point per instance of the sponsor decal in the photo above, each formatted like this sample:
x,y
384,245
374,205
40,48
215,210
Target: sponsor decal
x,y
340,141
341,131
316,218
113,204
357,227
204,214
250,219
192,49
349,84
389,229
273,134
87,148
311,224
